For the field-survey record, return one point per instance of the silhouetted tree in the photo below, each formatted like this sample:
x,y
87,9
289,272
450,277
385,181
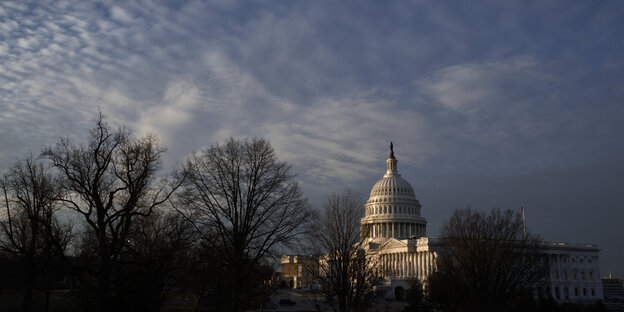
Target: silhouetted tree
x,y
109,182
415,297
154,256
31,231
245,203
485,263
201,272
347,276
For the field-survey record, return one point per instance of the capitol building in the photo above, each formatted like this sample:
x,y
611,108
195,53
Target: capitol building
x,y
397,234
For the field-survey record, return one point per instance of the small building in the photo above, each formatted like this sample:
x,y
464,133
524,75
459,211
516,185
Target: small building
x,y
300,271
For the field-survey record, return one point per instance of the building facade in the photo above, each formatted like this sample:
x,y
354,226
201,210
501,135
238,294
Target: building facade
x,y
396,234
299,271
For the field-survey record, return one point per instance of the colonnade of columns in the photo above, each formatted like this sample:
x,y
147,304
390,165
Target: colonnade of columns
x,y
406,264
394,229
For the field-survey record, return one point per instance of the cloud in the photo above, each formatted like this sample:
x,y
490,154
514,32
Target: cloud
x,y
470,90
473,86
174,114
120,14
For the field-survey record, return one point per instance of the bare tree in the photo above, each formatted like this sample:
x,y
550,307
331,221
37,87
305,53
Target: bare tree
x,y
348,274
109,182
486,263
153,258
245,203
31,230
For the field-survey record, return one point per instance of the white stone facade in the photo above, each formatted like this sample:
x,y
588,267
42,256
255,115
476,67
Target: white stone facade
x,y
396,234
574,272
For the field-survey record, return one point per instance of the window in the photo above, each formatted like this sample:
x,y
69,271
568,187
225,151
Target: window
x,y
576,292
591,275
574,275
581,260
565,293
593,292
557,295
589,260
584,291
583,275
565,275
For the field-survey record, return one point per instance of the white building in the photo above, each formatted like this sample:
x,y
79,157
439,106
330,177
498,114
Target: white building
x,y
397,234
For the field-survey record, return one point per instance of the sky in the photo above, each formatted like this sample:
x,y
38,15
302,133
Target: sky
x,y
488,103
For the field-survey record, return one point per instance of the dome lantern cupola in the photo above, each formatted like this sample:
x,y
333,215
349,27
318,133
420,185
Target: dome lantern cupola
x,y
391,162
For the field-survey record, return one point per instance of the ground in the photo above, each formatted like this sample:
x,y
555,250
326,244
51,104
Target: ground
x,y
305,301
309,301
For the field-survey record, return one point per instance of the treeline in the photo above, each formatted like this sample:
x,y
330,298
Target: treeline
x,y
101,218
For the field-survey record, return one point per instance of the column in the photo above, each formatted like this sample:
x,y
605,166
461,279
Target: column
x,y
395,265
392,234
384,265
418,271
428,263
403,264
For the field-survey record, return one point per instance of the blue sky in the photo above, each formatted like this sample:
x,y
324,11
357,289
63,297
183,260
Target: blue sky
x,y
492,104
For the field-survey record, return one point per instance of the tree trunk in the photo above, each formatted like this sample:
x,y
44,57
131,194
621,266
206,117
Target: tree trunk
x,y
29,281
196,305
46,307
27,298
103,297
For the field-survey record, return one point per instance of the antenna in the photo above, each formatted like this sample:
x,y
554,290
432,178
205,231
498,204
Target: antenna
x,y
523,221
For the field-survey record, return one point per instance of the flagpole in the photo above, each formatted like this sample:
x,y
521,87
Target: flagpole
x,y
523,221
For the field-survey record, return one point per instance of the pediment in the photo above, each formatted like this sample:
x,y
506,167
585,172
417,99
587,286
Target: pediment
x,y
393,243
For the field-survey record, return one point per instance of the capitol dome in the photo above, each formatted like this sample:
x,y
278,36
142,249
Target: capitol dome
x,y
392,210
